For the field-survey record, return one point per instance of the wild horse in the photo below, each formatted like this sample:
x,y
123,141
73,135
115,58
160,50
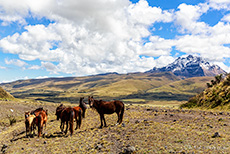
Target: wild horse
x,y
67,117
104,107
29,123
79,112
41,120
35,118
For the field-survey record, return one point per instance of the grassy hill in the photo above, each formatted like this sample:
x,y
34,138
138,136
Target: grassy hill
x,y
5,95
217,95
135,87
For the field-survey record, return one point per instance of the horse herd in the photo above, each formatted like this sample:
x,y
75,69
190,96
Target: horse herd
x,y
38,118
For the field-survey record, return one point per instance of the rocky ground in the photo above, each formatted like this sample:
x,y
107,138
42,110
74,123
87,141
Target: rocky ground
x,y
145,129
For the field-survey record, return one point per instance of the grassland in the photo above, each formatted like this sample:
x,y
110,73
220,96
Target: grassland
x,y
145,129
144,86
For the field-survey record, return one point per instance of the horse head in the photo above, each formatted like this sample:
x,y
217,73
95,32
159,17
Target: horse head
x,y
59,110
27,114
90,101
82,103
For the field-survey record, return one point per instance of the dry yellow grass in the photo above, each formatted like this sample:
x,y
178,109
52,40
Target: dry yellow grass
x,y
148,129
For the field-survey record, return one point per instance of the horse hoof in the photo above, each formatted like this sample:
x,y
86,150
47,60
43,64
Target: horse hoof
x,y
117,124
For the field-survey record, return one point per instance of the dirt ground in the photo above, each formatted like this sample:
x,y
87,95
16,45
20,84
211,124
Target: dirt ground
x,y
145,129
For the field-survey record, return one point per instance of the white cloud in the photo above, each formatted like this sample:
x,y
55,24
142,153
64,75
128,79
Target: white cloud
x,y
90,37
2,67
49,67
220,4
187,18
34,67
226,18
16,62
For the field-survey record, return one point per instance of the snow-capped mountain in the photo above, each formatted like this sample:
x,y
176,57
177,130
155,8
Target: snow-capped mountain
x,y
190,66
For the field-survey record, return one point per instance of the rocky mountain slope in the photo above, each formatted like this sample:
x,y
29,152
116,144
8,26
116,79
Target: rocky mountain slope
x,y
190,66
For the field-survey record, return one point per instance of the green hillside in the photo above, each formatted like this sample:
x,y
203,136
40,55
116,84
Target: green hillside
x,y
5,95
217,95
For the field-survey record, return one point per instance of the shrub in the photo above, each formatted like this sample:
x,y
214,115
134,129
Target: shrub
x,y
191,103
209,85
12,119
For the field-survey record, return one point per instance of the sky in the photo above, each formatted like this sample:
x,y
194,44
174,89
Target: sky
x,y
62,38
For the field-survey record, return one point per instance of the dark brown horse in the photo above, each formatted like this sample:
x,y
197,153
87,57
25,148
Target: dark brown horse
x,y
82,106
59,109
104,107
67,117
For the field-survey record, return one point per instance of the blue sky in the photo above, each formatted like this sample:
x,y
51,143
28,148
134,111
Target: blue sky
x,y
76,38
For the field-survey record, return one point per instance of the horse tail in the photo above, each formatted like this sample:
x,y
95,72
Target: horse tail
x,y
122,113
39,125
71,121
83,113
79,118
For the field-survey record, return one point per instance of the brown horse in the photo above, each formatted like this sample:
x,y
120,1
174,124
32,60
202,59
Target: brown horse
x,y
35,118
41,120
104,107
82,106
67,116
80,112
59,109
29,123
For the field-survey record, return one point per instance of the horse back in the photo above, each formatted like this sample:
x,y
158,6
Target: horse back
x,y
77,108
65,114
108,107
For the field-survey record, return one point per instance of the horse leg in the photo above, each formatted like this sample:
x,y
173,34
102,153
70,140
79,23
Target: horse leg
x,y
118,116
77,120
67,125
62,126
101,117
104,120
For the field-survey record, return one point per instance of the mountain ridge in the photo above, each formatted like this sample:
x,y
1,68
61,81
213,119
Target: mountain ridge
x,y
190,66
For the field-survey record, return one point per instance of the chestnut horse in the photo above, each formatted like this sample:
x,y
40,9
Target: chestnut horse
x,y
80,112
67,116
35,118
41,120
104,107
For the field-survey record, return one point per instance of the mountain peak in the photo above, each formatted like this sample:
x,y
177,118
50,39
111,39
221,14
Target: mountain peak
x,y
190,66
